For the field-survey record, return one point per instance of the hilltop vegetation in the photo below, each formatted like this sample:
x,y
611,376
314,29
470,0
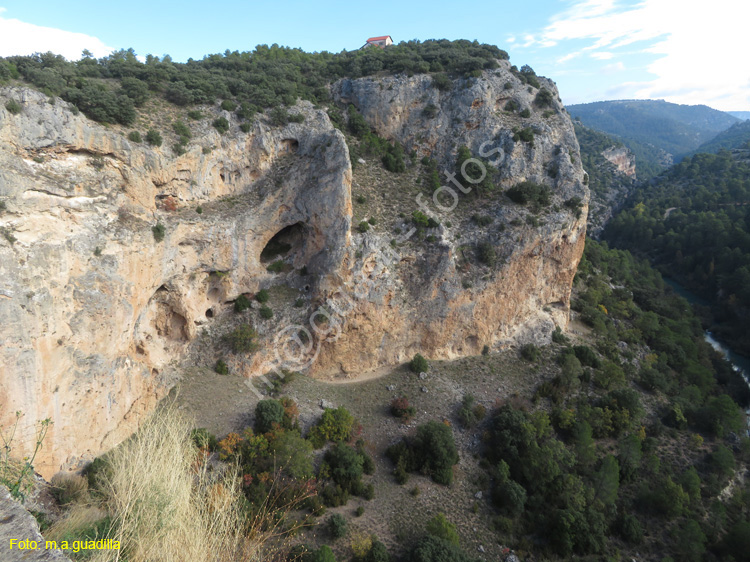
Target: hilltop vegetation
x,y
703,242
109,89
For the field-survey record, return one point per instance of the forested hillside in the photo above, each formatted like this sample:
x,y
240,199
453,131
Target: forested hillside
x,y
734,137
694,223
676,129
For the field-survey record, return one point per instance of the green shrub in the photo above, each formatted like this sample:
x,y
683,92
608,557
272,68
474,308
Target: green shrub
x,y
440,527
245,127
423,221
337,526
182,130
544,98
335,425
228,105
471,413
432,451
525,135
135,136
153,138
203,438
559,337
13,107
482,220
441,81
267,413
528,192
434,549
241,304
195,115
418,364
221,367
242,339
525,113
393,159
345,466
262,296
530,352
276,267
265,312
487,254
158,230
221,124
587,356
364,226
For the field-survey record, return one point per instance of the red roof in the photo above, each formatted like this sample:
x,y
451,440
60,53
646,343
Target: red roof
x,y
383,38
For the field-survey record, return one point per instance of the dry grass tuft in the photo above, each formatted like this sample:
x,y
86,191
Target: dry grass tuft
x,y
67,488
167,506
79,518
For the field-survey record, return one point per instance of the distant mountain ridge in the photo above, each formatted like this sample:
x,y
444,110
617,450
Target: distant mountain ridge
x,y
740,114
674,128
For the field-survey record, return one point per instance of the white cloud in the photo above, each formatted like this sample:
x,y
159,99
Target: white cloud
x,y
21,38
614,68
699,47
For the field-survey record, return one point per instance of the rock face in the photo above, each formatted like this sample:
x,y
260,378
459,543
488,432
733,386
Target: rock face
x,y
96,314
623,160
17,523
428,298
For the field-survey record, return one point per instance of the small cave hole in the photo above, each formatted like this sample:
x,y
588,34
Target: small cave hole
x,y
289,145
288,239
210,313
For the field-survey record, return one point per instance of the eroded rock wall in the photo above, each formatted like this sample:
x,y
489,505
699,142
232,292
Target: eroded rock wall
x,y
94,312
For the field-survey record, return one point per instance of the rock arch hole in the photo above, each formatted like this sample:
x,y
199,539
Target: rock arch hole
x,y
286,243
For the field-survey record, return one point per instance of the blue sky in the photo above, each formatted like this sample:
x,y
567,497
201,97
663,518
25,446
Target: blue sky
x,y
593,49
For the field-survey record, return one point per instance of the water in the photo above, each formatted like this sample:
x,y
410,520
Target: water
x,y
739,363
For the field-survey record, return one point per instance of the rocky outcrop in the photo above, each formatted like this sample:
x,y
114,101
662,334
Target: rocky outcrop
x,y
430,298
17,523
96,314
622,159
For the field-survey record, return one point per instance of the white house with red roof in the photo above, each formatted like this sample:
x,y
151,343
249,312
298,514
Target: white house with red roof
x,y
381,42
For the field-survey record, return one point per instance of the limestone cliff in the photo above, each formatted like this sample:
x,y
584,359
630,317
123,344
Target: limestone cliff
x,y
97,316
94,313
622,159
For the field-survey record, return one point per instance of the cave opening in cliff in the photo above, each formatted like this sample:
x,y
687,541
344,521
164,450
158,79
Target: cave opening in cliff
x,y
286,242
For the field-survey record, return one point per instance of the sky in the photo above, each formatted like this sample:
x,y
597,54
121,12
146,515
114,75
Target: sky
x,y
686,52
